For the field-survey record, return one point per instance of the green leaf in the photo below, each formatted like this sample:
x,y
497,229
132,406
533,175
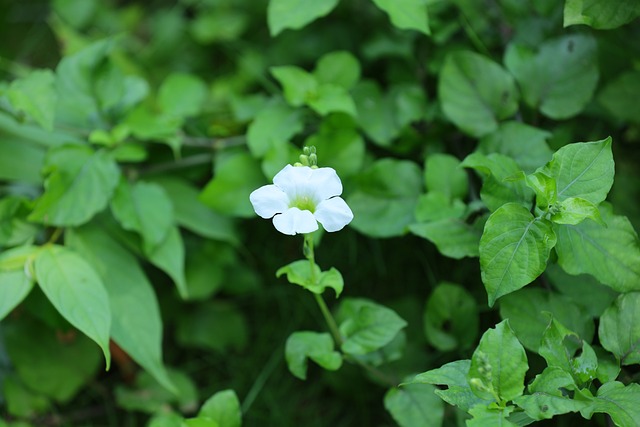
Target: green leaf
x,y
546,399
332,98
476,93
169,256
558,347
436,206
453,237
600,14
80,183
611,254
15,282
451,318
148,125
454,376
619,330
192,214
619,401
414,405
514,250
339,67
484,416
366,326
526,310
311,345
443,174
145,208
77,292
223,408
384,203
216,326
273,126
149,396
295,14
560,78
14,229
407,14
199,422
574,210
21,402
620,96
136,324
236,175
46,364
583,170
182,95
523,143
499,186
545,187
35,94
299,273
339,144
498,365
299,85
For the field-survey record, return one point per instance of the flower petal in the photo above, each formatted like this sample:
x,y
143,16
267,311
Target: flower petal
x,y
293,221
269,200
333,214
293,180
325,183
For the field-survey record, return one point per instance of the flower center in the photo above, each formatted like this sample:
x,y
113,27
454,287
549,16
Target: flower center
x,y
304,203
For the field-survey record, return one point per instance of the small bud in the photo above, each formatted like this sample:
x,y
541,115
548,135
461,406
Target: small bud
x,y
304,159
312,149
306,151
313,159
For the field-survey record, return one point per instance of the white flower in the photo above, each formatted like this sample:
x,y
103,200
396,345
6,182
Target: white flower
x,y
300,197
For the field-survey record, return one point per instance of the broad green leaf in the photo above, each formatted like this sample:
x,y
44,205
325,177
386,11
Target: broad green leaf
x,y
443,174
414,405
476,93
199,422
620,96
436,206
311,345
79,184
611,254
20,161
619,329
77,15
236,175
219,24
136,324
454,376
339,145
147,395
15,280
316,281
169,419
546,399
216,326
207,268
145,208
22,402
385,199
619,401
583,169
545,187
500,180
574,210
526,310
560,78
14,229
77,292
182,95
35,94
453,237
224,408
273,126
45,363
600,14
192,214
484,416
169,256
295,14
514,250
498,365
149,125
608,365
451,318
407,14
332,98
582,289
558,347
299,85
340,68
523,143
366,326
